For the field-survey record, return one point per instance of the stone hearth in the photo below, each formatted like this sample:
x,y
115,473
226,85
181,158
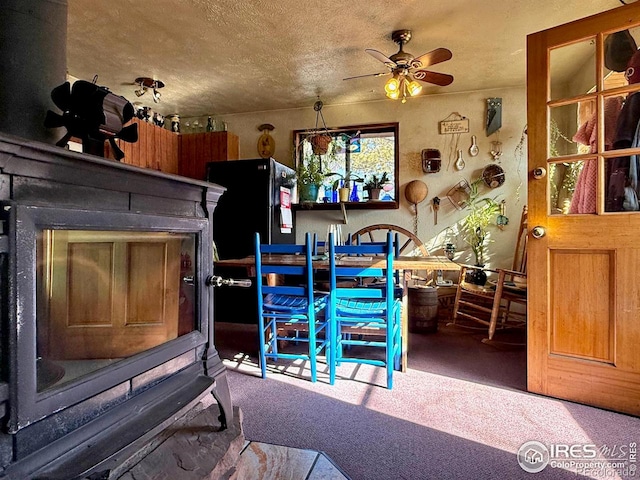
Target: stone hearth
x,y
193,448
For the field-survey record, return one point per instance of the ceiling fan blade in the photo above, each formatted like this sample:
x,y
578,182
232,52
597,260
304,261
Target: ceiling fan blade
x,y
436,78
369,75
433,57
381,57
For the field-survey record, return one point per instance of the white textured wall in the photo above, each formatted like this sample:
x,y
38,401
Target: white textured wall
x,y
418,120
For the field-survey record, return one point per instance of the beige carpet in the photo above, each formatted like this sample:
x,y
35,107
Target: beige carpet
x,y
460,411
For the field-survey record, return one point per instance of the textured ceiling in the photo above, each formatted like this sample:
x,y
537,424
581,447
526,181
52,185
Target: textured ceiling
x,y
231,56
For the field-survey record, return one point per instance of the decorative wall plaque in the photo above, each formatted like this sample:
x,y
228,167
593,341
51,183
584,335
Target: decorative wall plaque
x,y
454,126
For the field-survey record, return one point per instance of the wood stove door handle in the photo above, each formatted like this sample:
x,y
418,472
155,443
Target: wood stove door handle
x,y
217,281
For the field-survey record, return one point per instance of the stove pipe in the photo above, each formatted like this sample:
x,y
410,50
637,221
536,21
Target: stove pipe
x,y
33,60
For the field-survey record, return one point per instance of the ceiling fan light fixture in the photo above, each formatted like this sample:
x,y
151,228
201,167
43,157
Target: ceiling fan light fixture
x,y
392,85
414,88
393,95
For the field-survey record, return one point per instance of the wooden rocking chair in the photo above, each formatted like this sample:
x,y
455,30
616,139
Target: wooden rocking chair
x,y
492,304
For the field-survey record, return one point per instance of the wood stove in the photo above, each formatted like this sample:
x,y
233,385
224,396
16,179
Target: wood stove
x,y
106,318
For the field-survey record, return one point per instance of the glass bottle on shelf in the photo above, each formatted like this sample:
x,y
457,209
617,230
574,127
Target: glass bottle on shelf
x,y
354,193
210,124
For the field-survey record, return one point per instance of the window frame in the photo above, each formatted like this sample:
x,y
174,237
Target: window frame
x,y
299,137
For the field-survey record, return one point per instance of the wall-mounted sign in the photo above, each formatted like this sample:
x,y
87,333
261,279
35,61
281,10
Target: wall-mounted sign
x,y
454,126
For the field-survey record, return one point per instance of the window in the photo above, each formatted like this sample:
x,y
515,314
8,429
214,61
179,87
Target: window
x,y
353,157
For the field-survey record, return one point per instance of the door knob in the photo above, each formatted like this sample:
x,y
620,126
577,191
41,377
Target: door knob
x,y
538,232
539,173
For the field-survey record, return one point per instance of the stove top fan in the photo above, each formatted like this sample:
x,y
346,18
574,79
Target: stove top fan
x,y
93,114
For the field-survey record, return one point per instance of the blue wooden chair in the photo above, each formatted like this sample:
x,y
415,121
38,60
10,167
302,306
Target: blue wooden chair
x,y
289,306
365,308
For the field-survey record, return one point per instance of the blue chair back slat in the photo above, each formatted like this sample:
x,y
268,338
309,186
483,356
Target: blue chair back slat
x,y
284,290
362,249
284,269
285,248
346,271
360,293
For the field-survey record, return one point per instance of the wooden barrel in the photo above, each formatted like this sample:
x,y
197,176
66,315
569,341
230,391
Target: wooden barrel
x,y
423,309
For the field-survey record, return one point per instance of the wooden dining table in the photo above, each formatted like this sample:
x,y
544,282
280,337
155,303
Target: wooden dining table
x,y
405,264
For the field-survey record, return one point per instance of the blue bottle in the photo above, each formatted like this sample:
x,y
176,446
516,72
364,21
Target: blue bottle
x,y
354,193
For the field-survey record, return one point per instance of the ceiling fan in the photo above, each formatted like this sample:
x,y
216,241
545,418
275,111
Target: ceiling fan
x,y
406,69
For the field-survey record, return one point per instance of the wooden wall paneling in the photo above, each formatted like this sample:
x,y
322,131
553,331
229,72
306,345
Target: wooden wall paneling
x,y
158,161
217,147
233,146
160,149
148,160
173,154
164,159
200,154
181,155
138,148
192,152
143,144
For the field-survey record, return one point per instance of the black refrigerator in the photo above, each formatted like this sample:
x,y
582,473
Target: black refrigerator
x,y
250,204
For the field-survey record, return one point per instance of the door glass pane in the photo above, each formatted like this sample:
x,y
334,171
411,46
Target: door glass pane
x,y
564,126
573,69
613,135
619,47
572,187
621,184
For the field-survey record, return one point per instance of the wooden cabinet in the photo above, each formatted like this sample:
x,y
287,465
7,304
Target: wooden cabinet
x,y
182,154
196,149
157,148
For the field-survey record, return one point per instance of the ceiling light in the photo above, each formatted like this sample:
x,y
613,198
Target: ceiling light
x,y
414,88
394,95
401,85
148,83
392,85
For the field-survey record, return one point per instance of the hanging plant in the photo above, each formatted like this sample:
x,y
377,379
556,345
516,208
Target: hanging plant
x,y
319,138
320,143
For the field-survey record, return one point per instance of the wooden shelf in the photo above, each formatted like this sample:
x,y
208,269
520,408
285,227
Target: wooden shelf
x,y
348,205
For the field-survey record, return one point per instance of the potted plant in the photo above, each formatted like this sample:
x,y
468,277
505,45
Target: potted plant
x,y
374,185
309,177
320,143
343,192
482,212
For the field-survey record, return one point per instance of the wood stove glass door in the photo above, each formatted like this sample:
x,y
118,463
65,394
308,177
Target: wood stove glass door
x,y
108,295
